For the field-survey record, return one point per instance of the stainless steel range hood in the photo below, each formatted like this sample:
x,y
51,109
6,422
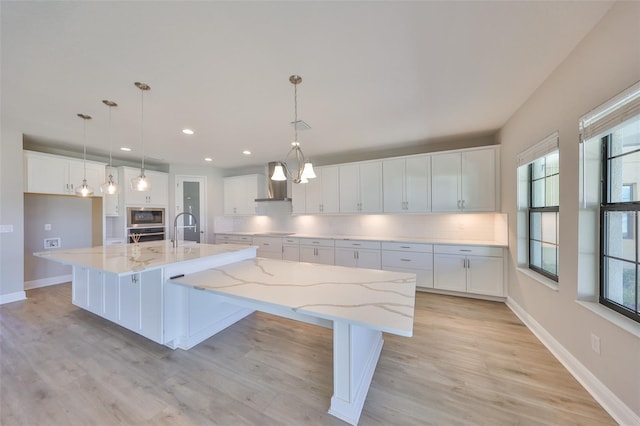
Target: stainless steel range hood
x,y
276,190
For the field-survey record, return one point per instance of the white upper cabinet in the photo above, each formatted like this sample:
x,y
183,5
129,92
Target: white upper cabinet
x,y
320,195
465,181
54,174
158,195
361,187
407,184
240,193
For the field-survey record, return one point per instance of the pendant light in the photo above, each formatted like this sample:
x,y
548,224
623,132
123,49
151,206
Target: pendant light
x,y
304,170
141,183
84,190
110,187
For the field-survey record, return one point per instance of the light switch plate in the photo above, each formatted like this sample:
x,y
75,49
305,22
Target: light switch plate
x,y
47,227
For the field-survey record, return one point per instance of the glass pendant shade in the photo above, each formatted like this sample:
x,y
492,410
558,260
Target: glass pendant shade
x,y
110,187
307,172
141,183
278,173
84,190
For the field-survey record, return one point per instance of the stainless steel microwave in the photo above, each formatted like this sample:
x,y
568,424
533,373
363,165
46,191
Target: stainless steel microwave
x,y
145,217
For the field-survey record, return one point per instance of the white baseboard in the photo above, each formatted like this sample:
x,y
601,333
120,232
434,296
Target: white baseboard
x,y
12,297
617,409
44,282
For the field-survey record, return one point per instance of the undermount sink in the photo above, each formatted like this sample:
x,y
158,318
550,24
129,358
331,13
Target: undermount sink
x,y
275,234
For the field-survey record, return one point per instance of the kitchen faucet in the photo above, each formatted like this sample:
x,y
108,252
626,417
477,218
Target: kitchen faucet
x,y
175,227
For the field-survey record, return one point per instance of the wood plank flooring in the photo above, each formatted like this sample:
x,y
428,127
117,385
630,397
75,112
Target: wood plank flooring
x,y
470,362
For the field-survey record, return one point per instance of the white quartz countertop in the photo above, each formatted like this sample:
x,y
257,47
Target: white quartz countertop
x,y
124,259
490,243
380,300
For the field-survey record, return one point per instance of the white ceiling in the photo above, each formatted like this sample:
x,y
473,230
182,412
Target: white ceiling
x,y
375,74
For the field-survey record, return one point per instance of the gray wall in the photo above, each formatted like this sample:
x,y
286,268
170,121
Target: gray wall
x,y
70,219
605,62
11,213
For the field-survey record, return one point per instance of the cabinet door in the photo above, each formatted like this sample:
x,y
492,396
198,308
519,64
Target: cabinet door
x,y
445,175
485,275
111,299
291,253
229,197
298,197
346,257
130,302
418,184
80,287
325,255
478,180
369,259
393,185
313,193
111,204
308,254
449,272
349,190
330,190
370,187
46,175
96,292
159,194
151,305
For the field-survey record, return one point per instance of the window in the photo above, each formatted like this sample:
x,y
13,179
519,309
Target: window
x,y
613,129
619,269
538,205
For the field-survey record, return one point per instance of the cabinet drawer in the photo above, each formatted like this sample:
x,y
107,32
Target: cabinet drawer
x,y
358,244
290,242
407,260
316,242
268,243
424,248
469,250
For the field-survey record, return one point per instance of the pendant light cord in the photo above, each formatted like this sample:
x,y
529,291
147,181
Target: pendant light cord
x,y
295,111
110,144
142,128
84,151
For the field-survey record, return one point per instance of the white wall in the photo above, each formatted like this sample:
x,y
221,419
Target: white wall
x,y
603,64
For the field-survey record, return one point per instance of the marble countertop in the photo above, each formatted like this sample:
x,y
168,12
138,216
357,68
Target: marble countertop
x,y
380,300
418,240
124,259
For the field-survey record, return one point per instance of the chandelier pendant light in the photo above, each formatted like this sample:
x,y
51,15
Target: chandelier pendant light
x,y
141,182
84,190
110,187
304,170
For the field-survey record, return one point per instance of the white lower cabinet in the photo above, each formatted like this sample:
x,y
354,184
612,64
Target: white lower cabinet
x,y
291,249
358,254
317,251
269,247
469,269
410,257
80,290
95,299
234,239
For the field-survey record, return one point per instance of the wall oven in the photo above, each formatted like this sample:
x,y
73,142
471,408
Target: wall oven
x,y
145,224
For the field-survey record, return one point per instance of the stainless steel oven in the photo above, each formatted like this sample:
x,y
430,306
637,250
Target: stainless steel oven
x,y
146,234
145,217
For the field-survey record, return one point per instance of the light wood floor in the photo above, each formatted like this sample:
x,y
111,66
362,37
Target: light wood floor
x,y
470,362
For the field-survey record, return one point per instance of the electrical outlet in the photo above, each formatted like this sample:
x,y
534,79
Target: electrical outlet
x,y
6,229
47,227
51,243
595,343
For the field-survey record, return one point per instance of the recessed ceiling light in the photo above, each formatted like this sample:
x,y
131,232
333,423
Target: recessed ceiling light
x,y
208,159
246,152
124,148
187,131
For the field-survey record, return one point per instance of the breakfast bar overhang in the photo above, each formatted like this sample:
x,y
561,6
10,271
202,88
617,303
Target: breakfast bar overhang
x,y
181,296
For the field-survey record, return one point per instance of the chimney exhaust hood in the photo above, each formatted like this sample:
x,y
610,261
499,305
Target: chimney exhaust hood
x,y
276,190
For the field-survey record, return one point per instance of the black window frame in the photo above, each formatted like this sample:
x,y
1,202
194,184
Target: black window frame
x,y
533,210
606,206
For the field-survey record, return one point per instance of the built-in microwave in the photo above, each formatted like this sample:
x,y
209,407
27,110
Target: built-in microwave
x,y
144,217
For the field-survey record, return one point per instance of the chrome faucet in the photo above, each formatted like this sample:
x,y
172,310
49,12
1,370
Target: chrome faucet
x,y
175,227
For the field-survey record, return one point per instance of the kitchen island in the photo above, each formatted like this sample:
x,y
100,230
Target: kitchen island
x,y
181,296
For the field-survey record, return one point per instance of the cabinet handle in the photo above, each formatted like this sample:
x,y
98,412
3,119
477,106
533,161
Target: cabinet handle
x,y
405,247
355,244
469,263
357,255
459,204
464,263
406,260
266,244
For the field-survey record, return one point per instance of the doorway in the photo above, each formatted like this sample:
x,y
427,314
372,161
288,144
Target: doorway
x,y
191,198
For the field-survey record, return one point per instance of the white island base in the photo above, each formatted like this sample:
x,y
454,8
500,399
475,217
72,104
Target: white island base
x,y
357,304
